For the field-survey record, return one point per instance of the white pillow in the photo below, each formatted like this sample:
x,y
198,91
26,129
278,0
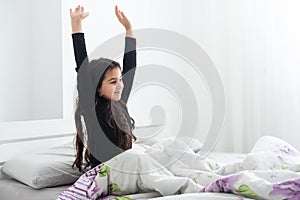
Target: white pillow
x,y
48,168
193,143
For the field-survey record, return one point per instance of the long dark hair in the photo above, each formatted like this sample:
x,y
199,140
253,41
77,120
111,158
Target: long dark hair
x,y
117,118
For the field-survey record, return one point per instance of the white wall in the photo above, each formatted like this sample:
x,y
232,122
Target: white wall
x,y
31,52
31,86
46,59
254,44
15,56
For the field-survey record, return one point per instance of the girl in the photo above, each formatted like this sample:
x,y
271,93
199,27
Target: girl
x,y
102,97
269,171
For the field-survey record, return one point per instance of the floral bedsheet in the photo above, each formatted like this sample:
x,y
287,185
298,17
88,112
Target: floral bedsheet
x,y
269,171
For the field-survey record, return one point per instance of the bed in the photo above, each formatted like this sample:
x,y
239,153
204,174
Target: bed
x,y
25,185
12,189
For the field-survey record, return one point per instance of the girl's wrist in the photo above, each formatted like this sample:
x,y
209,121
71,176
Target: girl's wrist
x,y
76,27
129,33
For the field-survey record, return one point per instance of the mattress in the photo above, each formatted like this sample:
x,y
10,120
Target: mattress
x,y
13,190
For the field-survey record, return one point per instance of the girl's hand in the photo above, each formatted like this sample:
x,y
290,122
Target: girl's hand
x,y
124,21
76,17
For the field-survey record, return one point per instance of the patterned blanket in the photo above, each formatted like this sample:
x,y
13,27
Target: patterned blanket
x,y
269,171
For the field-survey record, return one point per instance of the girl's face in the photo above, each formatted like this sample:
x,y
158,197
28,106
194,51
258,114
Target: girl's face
x,y
112,85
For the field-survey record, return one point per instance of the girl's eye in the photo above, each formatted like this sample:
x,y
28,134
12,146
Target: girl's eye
x,y
114,82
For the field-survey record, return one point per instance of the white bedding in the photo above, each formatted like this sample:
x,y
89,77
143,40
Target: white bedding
x,y
269,171
13,190
206,196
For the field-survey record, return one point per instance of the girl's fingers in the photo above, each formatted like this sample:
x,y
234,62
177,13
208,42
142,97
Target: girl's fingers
x,y
116,9
79,12
84,15
118,13
120,17
123,15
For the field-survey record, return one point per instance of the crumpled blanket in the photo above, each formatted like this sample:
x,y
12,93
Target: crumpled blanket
x,y
269,171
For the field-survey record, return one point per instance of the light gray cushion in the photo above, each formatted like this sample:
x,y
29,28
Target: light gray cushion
x,y
51,167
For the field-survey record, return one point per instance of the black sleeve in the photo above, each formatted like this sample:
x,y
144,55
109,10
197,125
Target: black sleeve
x,y
79,49
129,67
84,79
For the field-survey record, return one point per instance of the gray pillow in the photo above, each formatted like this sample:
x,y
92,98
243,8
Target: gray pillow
x,y
48,168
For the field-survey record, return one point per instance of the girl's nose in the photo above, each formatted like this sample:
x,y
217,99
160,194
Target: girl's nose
x,y
120,85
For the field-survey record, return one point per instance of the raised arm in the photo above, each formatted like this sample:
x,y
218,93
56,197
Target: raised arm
x,y
129,59
77,35
86,91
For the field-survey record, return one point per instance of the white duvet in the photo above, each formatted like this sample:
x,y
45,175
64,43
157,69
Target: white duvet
x,y
269,171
